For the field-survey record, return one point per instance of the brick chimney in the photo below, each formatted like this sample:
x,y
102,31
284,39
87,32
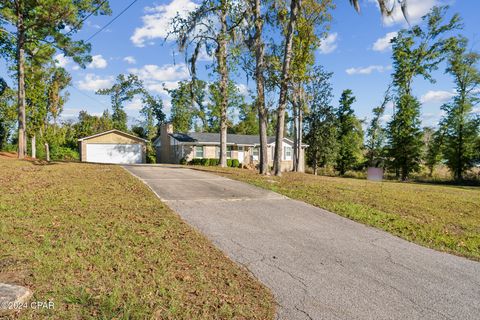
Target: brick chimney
x,y
166,149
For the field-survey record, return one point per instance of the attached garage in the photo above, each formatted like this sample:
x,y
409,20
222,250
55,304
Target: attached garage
x,y
112,146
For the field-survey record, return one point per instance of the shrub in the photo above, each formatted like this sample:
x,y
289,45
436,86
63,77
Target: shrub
x,y
214,162
205,162
197,162
183,161
151,155
229,162
235,163
64,153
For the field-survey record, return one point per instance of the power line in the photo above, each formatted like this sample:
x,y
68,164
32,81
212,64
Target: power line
x,y
111,21
88,16
90,97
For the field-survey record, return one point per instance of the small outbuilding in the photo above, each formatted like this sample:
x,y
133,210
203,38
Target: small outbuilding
x,y
113,146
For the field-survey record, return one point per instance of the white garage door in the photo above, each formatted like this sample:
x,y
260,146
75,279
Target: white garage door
x,y
114,153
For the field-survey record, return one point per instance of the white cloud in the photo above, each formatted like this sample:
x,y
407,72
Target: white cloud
x,y
156,77
166,72
242,89
204,56
431,119
62,61
329,44
69,113
135,104
92,82
130,60
385,118
415,10
436,96
157,21
98,62
367,70
383,44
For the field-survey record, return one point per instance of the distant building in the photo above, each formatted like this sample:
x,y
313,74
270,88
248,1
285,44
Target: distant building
x,y
172,147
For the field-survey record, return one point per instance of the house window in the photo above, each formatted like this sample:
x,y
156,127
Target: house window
x,y
229,152
198,151
287,153
255,154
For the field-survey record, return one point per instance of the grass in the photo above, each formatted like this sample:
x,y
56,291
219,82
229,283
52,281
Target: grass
x,y
445,218
98,243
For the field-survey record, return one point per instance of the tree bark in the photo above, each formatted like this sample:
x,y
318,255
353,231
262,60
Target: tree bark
x,y
295,128
282,101
34,146
47,151
260,80
300,131
223,71
21,84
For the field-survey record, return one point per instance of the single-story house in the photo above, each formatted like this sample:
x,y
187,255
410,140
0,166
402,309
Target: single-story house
x,y
172,147
113,146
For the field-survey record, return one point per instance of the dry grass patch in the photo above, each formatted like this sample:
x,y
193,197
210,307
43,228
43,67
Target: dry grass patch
x,y
98,243
445,218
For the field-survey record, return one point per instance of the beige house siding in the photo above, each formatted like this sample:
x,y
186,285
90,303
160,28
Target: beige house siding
x,y
178,152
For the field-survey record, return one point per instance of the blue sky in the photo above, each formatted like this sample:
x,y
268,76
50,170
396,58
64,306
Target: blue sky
x,y
356,50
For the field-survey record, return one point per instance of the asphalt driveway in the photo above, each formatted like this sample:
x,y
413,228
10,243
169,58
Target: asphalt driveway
x,y
318,264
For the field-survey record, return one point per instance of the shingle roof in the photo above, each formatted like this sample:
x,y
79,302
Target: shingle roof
x,y
113,131
205,137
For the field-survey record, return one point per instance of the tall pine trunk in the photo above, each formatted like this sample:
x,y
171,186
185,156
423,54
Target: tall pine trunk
x,y
22,143
295,127
34,146
223,71
282,101
300,132
260,80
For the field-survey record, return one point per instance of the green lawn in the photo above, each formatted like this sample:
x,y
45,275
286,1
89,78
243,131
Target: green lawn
x,y
446,218
100,245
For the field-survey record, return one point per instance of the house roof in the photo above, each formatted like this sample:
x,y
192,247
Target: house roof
x,y
113,131
214,138
206,137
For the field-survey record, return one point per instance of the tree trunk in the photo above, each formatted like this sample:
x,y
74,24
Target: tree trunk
x,y
282,101
298,128
34,146
223,71
47,151
300,134
260,80
295,128
21,85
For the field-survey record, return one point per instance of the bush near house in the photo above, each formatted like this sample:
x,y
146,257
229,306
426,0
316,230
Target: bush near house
x,y
233,163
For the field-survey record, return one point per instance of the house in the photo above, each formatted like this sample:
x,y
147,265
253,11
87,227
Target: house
x,y
112,146
172,147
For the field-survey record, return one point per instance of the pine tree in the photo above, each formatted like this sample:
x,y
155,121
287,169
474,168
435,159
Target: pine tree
x,y
321,129
350,134
416,52
462,127
36,22
124,90
376,134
